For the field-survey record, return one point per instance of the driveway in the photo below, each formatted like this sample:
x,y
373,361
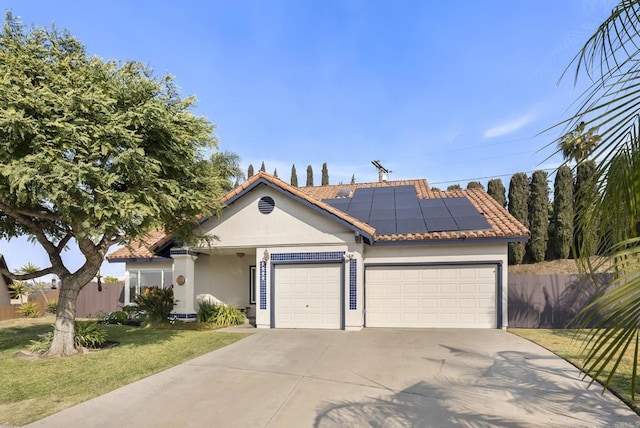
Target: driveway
x,y
375,377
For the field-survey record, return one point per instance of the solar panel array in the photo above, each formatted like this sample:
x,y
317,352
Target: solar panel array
x,y
397,210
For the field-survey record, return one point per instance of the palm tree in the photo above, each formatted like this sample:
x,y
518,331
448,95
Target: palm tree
x,y
610,205
31,268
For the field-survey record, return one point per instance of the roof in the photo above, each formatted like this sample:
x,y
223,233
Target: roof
x,y
3,264
501,224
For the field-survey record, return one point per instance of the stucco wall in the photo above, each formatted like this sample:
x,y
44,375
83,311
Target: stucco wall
x,y
225,277
242,225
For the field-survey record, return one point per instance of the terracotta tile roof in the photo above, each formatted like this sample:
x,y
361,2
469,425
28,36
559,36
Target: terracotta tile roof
x,y
142,248
503,224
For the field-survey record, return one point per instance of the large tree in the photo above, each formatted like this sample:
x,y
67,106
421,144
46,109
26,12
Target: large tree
x,y
538,212
562,220
294,176
518,196
496,190
94,153
609,209
475,185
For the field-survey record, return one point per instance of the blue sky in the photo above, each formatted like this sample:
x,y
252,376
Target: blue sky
x,y
447,91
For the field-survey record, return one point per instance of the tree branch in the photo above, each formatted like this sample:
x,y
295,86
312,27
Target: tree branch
x,y
26,276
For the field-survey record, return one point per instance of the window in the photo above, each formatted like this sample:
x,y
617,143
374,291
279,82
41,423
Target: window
x,y
252,285
141,279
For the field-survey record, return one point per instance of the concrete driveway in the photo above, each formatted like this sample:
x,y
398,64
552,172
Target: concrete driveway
x,y
375,377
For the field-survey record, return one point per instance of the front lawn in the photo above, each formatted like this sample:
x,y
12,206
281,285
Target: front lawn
x,y
33,389
568,345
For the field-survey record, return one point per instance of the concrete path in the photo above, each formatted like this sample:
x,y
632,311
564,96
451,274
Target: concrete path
x,y
375,377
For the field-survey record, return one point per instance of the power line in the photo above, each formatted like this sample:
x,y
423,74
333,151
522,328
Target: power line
x,y
489,176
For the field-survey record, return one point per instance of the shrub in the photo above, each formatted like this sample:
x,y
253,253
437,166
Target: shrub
x,y
229,315
117,317
220,315
41,346
90,334
52,306
156,303
29,310
207,312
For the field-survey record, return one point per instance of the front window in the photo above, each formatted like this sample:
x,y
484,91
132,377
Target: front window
x,y
141,279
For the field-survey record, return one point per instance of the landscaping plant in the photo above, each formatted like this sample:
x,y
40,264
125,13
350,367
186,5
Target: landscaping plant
x,y
220,315
157,303
88,334
52,306
29,310
116,317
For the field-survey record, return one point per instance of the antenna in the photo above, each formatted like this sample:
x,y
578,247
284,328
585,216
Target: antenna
x,y
383,173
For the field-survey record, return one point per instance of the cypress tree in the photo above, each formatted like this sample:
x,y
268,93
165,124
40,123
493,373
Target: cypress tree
x,y
518,195
475,185
584,174
275,173
496,190
294,176
562,235
262,167
309,176
325,175
250,171
353,179
538,206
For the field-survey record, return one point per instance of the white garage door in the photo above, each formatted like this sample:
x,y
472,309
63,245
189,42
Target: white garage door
x,y
307,296
443,296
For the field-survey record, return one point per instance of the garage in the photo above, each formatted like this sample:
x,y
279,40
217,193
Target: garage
x,y
459,296
307,296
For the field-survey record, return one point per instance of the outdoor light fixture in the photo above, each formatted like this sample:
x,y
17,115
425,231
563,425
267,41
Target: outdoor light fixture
x,y
99,281
240,255
265,256
54,283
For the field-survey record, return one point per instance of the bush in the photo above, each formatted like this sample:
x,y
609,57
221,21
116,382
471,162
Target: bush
x,y
52,306
29,310
156,303
229,315
117,317
220,315
90,334
207,312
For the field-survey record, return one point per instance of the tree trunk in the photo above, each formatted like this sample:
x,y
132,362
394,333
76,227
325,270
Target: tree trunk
x,y
63,343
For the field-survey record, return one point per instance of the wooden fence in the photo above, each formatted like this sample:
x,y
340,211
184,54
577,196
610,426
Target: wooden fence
x,y
549,301
91,302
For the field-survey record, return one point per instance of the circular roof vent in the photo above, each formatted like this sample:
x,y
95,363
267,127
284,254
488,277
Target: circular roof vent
x,y
266,204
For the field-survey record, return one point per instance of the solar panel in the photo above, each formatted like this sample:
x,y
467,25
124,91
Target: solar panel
x,y
431,203
405,189
436,212
383,204
382,214
343,193
407,203
450,202
405,213
362,215
383,190
441,224
358,205
384,227
472,223
414,225
341,204
463,211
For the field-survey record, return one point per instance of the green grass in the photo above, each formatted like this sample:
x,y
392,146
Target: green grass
x,y
33,389
569,344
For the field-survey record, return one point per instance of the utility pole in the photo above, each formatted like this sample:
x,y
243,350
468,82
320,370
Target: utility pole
x,y
383,173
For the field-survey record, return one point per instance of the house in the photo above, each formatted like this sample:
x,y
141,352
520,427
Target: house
x,y
5,282
385,254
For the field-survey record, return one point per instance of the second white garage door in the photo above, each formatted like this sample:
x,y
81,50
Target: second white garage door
x,y
443,296
307,296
